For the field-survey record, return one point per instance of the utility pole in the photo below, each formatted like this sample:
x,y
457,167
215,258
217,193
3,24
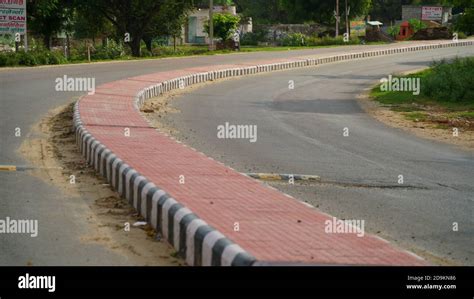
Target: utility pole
x,y
337,18
211,25
347,20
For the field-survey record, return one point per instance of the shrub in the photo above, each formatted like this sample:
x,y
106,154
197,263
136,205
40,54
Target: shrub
x,y
31,58
329,41
462,35
56,57
112,50
417,24
12,59
146,53
450,81
253,38
224,24
394,30
26,58
294,40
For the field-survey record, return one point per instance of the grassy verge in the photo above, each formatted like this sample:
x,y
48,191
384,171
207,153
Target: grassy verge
x,y
446,99
37,58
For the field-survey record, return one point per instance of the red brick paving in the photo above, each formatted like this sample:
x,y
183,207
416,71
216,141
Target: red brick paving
x,y
273,227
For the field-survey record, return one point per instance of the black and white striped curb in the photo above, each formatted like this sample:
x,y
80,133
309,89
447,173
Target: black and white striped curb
x,y
196,241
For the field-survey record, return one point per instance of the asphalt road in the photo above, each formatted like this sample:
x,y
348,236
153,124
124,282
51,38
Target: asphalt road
x,y
26,95
301,131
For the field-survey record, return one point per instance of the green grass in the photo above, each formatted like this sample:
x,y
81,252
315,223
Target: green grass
x,y
445,93
405,101
468,115
416,116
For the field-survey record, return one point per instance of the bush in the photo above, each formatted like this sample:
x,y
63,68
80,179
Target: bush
x,y
112,50
31,58
8,59
298,40
417,24
27,58
254,38
462,35
394,30
224,24
294,40
330,41
450,81
56,58
146,53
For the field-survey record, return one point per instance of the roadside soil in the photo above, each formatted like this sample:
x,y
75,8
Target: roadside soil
x,y
54,154
435,126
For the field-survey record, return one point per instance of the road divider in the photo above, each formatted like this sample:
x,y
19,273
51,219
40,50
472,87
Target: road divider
x,y
211,214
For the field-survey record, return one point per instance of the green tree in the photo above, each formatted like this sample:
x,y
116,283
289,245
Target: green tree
x,y
169,22
90,23
132,18
48,17
466,22
263,11
322,11
224,23
386,11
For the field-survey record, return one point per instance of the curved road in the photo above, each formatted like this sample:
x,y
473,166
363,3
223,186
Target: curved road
x,y
300,131
27,94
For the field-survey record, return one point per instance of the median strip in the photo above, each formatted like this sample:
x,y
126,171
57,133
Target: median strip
x,y
211,214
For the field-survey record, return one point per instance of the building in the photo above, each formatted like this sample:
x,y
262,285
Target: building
x,y
193,31
439,14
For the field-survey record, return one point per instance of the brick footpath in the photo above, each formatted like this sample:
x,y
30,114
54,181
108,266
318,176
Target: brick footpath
x,y
199,217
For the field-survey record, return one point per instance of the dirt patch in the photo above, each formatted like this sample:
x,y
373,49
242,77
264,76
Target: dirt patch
x,y
54,154
433,127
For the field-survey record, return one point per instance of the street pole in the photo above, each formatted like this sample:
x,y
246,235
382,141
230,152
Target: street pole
x,y
26,32
337,18
347,21
211,25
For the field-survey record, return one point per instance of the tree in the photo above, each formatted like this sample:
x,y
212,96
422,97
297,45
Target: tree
x,y
263,11
48,17
466,22
386,11
169,22
224,24
321,11
131,18
90,23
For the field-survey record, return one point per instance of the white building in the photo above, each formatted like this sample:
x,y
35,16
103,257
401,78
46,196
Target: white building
x,y
193,31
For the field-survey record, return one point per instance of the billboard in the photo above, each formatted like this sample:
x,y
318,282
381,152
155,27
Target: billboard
x,y
358,28
431,13
12,16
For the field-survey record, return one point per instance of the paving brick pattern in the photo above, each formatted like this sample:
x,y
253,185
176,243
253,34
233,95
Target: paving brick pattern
x,y
274,227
